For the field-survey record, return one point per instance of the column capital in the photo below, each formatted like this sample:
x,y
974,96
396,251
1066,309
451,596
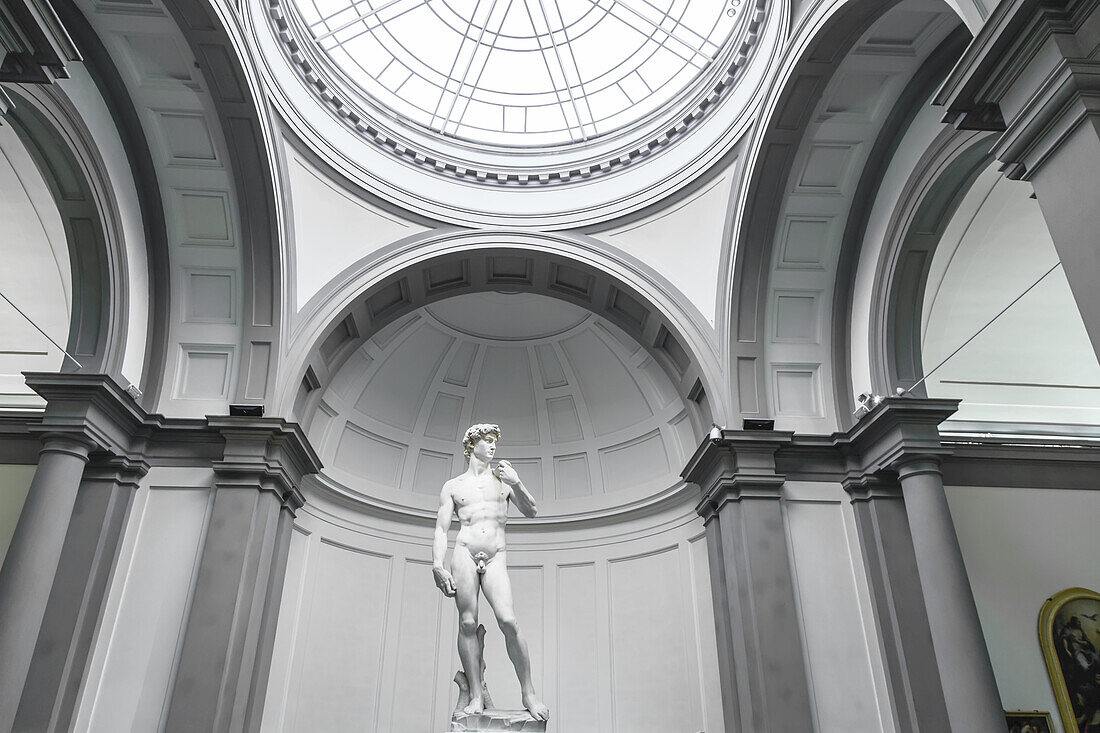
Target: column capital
x,y
268,454
92,407
1028,75
73,442
917,465
861,487
734,466
898,430
124,470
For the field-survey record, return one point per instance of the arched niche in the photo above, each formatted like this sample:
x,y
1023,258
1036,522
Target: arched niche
x,y
925,208
962,242
615,372
593,384
97,327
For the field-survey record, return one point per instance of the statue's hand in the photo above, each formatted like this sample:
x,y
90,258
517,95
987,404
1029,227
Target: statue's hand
x,y
444,581
507,474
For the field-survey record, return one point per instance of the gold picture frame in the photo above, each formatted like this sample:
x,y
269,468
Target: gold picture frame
x,y
1029,721
1069,634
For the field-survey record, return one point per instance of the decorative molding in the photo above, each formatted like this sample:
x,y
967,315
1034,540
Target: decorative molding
x,y
332,490
270,454
34,45
734,466
370,126
1008,82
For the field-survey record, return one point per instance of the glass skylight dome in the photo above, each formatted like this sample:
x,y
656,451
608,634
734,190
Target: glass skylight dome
x,y
523,73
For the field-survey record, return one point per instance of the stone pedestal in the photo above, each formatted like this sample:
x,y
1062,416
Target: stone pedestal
x,y
505,720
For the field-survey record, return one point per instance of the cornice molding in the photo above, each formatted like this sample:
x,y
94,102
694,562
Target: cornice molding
x,y
270,454
360,502
896,430
734,466
1018,77
377,127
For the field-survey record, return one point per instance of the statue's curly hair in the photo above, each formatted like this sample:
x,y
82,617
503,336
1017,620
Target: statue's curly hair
x,y
475,434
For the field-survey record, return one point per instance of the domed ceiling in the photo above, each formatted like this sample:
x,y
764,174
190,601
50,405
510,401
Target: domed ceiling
x,y
589,418
521,73
558,104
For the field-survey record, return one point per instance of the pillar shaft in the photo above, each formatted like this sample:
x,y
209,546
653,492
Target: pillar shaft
x,y
32,560
901,619
222,673
966,674
1065,187
78,595
765,656
230,631
760,654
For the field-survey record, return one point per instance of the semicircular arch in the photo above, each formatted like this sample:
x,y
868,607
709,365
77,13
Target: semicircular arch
x,y
434,266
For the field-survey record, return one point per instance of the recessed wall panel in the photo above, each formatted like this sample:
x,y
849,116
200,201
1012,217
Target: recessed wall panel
x,y
419,641
371,456
648,642
395,390
831,617
635,462
342,660
578,708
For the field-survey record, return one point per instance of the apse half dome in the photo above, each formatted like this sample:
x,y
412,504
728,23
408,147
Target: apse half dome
x,y
589,418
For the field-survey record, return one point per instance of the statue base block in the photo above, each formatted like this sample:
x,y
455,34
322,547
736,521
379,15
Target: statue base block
x,y
500,720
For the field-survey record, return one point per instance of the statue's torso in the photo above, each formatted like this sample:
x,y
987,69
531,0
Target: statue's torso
x,y
481,504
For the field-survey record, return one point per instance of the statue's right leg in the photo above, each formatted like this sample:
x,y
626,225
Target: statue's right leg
x,y
469,647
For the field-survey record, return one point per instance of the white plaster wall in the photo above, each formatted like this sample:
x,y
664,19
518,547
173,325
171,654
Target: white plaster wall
x,y
618,620
684,241
1022,546
132,663
15,482
333,228
1034,364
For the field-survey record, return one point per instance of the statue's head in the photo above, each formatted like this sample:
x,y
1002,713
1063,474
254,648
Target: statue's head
x,y
476,434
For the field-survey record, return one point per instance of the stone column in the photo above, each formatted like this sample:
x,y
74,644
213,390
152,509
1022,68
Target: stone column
x,y
760,656
901,618
79,591
969,687
1030,74
900,436
230,632
32,560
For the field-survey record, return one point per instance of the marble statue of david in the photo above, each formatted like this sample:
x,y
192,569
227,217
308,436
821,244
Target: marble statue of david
x,y
479,497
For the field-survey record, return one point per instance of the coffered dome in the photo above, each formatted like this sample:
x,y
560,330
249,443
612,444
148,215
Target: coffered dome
x,y
589,417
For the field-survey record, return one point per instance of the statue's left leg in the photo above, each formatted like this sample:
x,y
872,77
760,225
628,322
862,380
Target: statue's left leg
x,y
498,591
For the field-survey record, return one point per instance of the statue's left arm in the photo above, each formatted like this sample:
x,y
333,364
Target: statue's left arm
x,y
519,494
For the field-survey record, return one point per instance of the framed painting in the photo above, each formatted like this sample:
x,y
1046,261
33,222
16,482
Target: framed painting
x,y
1069,633
1029,721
